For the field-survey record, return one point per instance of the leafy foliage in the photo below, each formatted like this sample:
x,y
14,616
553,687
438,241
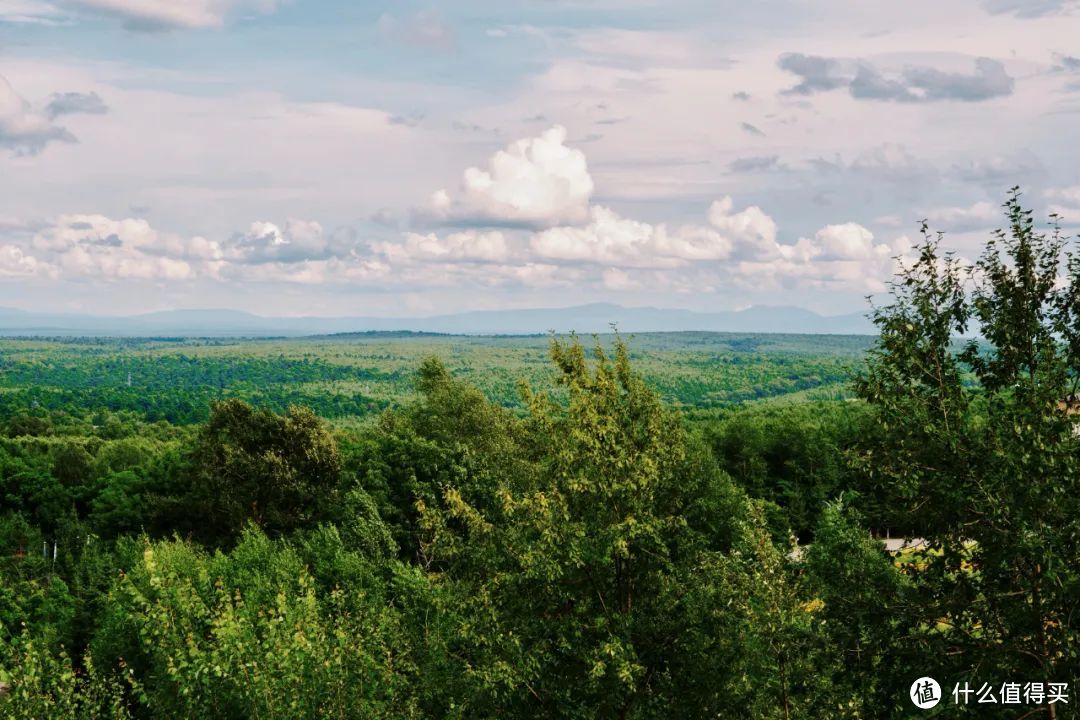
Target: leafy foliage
x,y
613,534
281,471
980,455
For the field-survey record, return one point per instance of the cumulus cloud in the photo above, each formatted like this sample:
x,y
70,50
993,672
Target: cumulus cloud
x,y
172,14
297,241
537,189
117,263
838,255
24,130
14,262
848,241
537,182
612,239
70,103
300,252
737,247
98,247
731,237
752,232
910,84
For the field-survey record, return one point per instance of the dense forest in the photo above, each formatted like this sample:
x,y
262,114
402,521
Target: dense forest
x,y
350,378
651,527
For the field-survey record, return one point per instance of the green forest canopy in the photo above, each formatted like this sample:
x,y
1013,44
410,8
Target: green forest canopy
x,y
527,528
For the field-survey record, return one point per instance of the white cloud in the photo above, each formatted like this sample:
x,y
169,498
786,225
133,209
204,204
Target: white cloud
x,y
298,253
838,256
15,262
607,239
849,241
98,247
615,240
298,241
70,231
535,181
122,264
23,129
753,232
738,248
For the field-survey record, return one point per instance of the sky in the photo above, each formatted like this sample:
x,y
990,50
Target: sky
x,y
348,157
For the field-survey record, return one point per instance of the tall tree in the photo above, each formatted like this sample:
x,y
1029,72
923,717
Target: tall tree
x,y
580,590
980,453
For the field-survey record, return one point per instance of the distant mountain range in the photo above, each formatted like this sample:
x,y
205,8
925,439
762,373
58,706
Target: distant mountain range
x,y
582,318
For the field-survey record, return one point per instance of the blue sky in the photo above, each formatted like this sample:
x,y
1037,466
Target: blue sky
x,y
402,158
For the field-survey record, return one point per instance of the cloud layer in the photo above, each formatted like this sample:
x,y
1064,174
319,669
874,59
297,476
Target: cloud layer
x,y
909,84
284,160
539,182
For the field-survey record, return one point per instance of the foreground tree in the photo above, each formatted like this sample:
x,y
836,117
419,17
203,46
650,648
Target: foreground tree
x,y
979,455
617,576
